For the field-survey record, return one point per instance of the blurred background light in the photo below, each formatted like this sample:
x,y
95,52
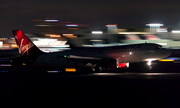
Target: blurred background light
x,y
96,32
176,31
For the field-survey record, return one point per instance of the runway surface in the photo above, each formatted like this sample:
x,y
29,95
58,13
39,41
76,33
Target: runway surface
x,y
91,90
133,87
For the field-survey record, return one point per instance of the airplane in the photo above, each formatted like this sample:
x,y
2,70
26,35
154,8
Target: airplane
x,y
96,58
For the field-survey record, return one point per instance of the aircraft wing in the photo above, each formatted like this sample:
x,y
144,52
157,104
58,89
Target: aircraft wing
x,y
85,58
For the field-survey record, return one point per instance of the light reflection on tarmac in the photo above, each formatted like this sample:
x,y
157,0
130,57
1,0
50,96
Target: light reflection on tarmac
x,y
141,75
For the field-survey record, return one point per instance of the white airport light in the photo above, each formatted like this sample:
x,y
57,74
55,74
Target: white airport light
x,y
96,32
51,20
155,24
176,31
71,25
162,30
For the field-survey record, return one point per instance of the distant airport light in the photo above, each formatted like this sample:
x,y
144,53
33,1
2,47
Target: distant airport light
x,y
96,32
14,46
133,33
176,31
161,30
67,34
96,40
111,25
71,25
53,35
71,36
51,20
54,71
24,64
5,64
154,24
42,25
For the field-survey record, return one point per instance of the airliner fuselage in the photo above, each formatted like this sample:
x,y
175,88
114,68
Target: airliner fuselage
x,y
123,54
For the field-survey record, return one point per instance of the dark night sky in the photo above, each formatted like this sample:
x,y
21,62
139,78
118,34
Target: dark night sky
x,y
95,13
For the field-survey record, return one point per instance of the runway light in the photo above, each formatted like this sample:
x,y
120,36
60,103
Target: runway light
x,y
3,71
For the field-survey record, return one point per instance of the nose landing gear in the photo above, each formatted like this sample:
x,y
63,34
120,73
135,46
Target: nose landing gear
x,y
149,64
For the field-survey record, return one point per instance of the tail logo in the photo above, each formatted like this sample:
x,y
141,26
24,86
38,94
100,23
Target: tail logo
x,y
24,48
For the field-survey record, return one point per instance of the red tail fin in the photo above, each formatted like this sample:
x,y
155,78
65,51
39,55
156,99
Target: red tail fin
x,y
26,47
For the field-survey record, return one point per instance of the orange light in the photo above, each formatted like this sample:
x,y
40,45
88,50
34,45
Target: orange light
x,y
70,69
6,45
53,35
71,36
67,34
24,64
165,60
14,46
